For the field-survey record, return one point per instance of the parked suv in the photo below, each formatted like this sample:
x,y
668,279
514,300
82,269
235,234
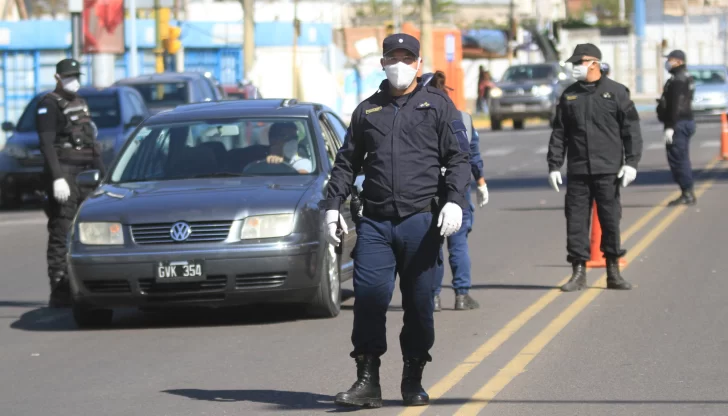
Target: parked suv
x,y
166,90
527,91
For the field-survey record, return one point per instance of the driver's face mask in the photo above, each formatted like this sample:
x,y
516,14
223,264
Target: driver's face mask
x,y
290,149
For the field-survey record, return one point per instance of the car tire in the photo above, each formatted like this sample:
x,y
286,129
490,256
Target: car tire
x,y
495,124
87,317
327,302
518,124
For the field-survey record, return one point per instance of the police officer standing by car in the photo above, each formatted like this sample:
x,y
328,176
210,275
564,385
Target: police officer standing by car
x,y
401,136
675,112
67,142
598,125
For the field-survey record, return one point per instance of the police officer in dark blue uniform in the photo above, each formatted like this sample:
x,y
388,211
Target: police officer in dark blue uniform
x,y
401,136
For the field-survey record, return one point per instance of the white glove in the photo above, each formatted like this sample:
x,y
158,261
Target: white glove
x,y
555,180
450,220
61,191
334,220
668,135
482,195
628,174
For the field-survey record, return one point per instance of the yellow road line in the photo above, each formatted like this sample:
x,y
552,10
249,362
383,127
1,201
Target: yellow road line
x,y
518,364
446,383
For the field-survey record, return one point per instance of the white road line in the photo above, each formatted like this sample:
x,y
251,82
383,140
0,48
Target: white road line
x,y
542,150
710,143
23,222
655,146
498,152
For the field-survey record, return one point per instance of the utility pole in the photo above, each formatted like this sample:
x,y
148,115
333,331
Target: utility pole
x,y
133,51
686,22
76,8
621,11
511,31
426,35
158,50
397,15
296,32
248,37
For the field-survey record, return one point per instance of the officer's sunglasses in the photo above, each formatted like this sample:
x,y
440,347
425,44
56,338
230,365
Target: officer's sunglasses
x,y
391,60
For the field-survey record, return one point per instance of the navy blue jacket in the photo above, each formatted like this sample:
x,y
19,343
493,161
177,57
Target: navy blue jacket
x,y
401,151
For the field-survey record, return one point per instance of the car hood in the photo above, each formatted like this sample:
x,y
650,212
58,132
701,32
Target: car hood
x,y
222,199
524,83
710,89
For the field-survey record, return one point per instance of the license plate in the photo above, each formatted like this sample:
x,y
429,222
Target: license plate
x,y
519,108
175,271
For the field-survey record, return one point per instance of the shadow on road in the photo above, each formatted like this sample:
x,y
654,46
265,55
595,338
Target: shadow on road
x,y
52,320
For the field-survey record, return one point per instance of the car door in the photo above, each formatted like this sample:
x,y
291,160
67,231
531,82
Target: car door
x,y
333,144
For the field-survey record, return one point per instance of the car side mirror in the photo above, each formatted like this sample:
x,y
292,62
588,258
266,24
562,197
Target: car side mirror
x,y
88,178
8,126
135,121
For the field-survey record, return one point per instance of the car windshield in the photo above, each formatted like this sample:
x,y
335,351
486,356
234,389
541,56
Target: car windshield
x,y
708,76
104,111
228,148
170,94
526,73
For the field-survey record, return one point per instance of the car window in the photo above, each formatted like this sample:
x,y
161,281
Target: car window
x,y
27,119
239,147
338,126
329,139
206,88
127,104
137,107
528,72
170,94
708,76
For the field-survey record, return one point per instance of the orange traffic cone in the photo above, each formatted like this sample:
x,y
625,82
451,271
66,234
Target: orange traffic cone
x,y
597,257
724,136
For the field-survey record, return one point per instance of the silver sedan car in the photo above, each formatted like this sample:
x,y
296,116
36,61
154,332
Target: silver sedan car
x,y
711,90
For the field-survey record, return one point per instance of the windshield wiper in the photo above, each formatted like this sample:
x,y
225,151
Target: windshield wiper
x,y
222,175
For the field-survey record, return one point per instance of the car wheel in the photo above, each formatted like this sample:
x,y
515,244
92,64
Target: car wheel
x,y
87,317
518,124
495,124
327,303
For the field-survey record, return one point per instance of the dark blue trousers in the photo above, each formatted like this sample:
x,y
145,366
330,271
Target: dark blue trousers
x,y
678,154
412,248
457,246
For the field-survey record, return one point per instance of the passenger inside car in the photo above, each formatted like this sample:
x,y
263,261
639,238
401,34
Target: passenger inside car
x,y
283,139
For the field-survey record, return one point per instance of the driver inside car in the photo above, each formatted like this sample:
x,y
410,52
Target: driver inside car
x,y
283,139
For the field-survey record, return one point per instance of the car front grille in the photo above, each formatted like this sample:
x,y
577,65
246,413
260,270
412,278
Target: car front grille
x,y
107,286
211,284
259,281
202,232
517,92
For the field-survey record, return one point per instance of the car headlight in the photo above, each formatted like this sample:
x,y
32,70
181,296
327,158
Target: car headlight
x,y
267,226
542,90
16,151
101,233
496,92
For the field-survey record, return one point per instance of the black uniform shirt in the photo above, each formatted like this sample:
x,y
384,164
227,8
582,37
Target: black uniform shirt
x,y
599,128
401,143
50,121
677,97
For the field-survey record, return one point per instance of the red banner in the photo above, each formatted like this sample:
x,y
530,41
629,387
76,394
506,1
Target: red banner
x,y
103,26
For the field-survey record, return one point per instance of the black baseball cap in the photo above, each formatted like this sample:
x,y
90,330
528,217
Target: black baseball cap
x,y
68,67
584,49
677,54
401,41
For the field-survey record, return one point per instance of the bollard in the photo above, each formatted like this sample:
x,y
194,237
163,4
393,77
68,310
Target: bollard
x,y
724,136
597,257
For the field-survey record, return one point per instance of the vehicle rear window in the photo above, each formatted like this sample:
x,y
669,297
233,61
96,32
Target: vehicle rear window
x,y
525,73
169,94
227,148
104,109
707,76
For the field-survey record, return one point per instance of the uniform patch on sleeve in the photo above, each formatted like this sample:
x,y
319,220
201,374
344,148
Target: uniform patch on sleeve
x,y
458,129
571,97
42,110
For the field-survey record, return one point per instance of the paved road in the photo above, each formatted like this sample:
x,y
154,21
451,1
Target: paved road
x,y
657,350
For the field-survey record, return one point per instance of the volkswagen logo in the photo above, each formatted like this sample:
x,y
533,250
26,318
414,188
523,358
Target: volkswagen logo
x,y
180,231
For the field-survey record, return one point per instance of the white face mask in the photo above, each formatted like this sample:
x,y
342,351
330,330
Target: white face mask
x,y
70,84
290,149
580,71
401,75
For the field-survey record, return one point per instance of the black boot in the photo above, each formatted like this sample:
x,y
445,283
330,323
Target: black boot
x,y
465,302
687,198
412,392
60,291
614,278
438,307
578,278
365,392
